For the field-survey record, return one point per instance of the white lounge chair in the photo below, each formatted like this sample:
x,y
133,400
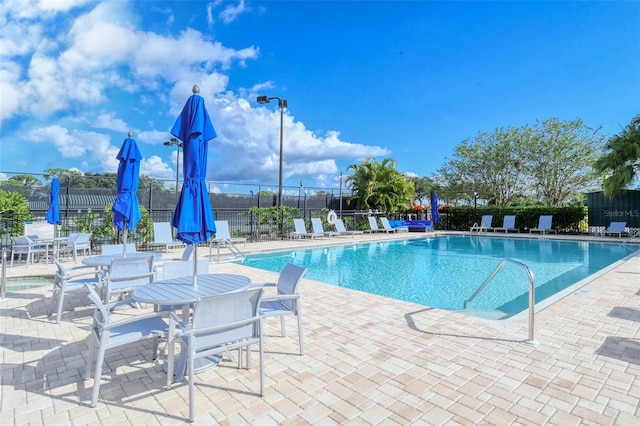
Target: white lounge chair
x,y
544,225
615,228
316,225
301,231
373,226
339,224
162,236
508,224
223,235
485,224
387,226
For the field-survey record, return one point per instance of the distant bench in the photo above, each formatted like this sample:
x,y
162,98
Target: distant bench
x,y
413,225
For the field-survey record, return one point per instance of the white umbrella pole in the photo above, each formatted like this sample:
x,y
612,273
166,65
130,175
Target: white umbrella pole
x,y
195,264
124,240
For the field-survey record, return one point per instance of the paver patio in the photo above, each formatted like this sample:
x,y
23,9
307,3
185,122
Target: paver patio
x,y
368,360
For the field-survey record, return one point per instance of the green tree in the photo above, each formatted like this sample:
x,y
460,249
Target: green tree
x,y
25,181
621,161
559,159
378,185
422,188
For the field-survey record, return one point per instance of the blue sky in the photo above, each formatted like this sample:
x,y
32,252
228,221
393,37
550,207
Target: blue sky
x,y
405,80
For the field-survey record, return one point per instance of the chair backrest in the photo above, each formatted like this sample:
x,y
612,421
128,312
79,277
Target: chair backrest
x,y
224,309
617,226
179,268
135,271
509,222
101,313
83,240
71,239
222,230
61,271
162,233
288,281
339,224
316,224
385,223
486,221
21,243
108,249
373,223
545,222
299,226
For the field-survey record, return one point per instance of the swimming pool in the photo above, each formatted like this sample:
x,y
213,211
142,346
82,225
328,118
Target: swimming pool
x,y
444,271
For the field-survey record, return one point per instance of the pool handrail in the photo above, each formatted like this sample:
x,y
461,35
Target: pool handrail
x,y
632,236
532,291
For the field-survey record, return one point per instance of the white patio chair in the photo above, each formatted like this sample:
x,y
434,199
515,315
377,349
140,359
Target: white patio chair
x,y
220,324
485,224
301,231
76,242
373,225
386,225
25,245
316,225
113,249
125,274
339,224
71,280
544,225
183,268
286,301
615,228
508,224
162,236
107,334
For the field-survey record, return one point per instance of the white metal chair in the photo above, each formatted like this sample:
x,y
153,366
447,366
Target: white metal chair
x,y
316,225
125,274
162,236
544,225
220,324
373,226
508,224
485,224
27,246
107,334
70,281
183,268
111,249
387,226
339,224
77,242
223,239
287,299
301,231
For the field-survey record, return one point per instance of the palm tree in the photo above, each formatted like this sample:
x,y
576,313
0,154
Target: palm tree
x,y
378,185
621,162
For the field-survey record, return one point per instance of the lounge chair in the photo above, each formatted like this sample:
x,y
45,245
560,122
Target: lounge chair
x,y
544,225
485,224
373,226
615,228
162,236
223,235
301,231
339,224
316,224
508,224
387,226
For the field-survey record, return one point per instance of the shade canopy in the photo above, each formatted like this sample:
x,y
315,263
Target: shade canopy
x,y
435,216
193,217
126,208
53,214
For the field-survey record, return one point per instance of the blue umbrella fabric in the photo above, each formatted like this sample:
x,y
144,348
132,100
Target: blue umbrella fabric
x,y
126,208
53,214
193,217
435,216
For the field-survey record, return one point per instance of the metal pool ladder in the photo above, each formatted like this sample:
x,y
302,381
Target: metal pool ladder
x,y
532,293
632,236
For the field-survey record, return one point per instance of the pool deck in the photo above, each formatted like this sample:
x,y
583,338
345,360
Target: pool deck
x,y
368,360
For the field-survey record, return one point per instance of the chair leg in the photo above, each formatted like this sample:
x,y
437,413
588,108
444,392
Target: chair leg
x,y
97,377
192,387
92,350
300,338
283,331
60,304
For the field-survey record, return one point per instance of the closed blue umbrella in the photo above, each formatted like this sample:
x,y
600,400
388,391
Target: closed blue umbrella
x,y
53,214
193,217
435,216
126,208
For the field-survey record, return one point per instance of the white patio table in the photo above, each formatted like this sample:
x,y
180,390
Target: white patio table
x,y
182,292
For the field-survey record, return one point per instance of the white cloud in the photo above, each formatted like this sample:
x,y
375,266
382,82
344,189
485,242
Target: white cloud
x,y
109,121
230,13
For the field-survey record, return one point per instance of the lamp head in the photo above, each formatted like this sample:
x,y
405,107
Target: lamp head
x,y
262,99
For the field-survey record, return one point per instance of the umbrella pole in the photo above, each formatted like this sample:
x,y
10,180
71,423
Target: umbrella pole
x,y
195,264
124,240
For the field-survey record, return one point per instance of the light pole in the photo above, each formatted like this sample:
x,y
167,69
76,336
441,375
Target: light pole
x,y
178,144
282,104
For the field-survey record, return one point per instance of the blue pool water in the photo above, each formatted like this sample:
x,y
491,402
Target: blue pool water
x,y
443,272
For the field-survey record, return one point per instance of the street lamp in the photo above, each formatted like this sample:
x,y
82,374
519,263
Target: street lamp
x,y
282,104
178,144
